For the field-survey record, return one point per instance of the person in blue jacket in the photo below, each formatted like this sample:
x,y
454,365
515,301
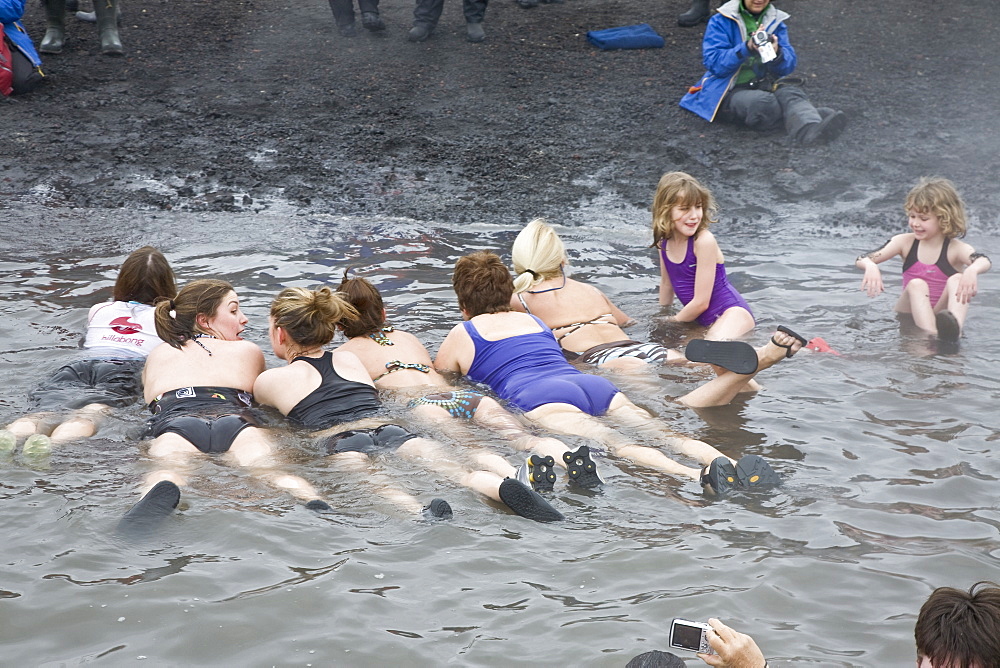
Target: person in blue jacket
x,y
744,83
27,65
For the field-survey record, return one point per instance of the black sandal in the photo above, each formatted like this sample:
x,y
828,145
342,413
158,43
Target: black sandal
x,y
786,330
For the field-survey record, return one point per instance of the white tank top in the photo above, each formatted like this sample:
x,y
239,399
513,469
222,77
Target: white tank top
x,y
121,329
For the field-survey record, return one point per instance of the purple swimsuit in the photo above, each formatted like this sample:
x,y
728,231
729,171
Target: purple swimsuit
x,y
724,295
529,370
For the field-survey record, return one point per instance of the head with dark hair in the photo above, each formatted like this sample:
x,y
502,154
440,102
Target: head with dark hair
x,y
960,629
656,659
367,302
177,319
482,284
309,317
144,276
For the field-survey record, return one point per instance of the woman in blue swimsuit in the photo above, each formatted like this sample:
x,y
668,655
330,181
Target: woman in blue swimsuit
x,y
517,356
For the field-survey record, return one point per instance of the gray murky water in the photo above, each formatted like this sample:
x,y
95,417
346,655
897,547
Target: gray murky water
x,y
887,452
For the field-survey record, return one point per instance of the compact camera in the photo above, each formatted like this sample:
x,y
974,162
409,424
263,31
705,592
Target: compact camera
x,y
764,47
690,636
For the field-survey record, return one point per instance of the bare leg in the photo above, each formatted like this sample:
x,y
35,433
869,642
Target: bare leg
x,y
82,424
496,418
631,415
254,449
36,423
722,389
568,419
359,462
949,301
486,481
916,299
732,324
173,453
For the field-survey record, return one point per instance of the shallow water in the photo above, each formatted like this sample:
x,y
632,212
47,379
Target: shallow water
x,y
887,452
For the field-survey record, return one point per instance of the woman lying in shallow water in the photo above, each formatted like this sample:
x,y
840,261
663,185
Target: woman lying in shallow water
x,y
321,389
200,391
397,361
518,357
120,334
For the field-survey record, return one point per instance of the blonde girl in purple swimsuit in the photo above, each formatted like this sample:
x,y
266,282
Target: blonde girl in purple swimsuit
x,y
691,264
940,273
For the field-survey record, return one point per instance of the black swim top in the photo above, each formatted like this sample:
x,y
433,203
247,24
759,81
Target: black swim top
x,y
942,261
335,400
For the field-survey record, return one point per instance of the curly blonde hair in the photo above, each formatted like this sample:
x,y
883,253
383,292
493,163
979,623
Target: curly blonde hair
x,y
939,197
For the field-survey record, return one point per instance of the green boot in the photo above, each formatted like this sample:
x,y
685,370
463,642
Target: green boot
x,y
107,27
55,36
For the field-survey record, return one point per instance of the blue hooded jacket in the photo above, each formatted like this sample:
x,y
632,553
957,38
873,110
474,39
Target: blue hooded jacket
x,y
724,50
11,12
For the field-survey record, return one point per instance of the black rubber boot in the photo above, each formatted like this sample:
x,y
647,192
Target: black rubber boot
x,y
55,35
696,14
107,27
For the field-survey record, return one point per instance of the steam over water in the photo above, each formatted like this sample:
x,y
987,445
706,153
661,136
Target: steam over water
x,y
887,451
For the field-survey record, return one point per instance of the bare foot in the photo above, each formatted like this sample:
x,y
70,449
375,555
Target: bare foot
x,y
780,346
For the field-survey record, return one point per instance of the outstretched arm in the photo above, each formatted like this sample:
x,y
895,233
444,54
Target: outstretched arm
x,y
872,282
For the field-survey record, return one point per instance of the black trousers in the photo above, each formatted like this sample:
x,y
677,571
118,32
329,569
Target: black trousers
x,y
343,10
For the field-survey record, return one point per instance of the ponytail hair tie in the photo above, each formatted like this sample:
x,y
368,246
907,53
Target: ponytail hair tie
x,y
534,274
173,310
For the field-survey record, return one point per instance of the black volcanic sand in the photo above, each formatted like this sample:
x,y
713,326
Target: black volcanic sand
x,y
235,105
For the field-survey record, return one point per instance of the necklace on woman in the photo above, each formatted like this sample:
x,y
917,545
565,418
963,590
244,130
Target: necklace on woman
x,y
203,336
538,292
379,336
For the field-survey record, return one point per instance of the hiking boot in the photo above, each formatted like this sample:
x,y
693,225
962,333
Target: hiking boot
x,y
419,32
371,21
825,131
696,14
474,32
348,31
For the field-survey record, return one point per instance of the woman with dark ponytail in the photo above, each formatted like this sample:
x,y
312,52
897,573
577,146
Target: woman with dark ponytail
x,y
199,390
120,333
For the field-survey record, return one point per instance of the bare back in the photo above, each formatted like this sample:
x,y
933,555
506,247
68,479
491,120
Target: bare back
x,y
580,315
233,364
405,348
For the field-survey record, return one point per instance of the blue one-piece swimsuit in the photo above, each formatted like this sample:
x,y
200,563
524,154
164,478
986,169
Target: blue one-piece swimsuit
x,y
529,370
724,295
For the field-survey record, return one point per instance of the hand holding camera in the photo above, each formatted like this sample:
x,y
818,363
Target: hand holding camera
x,y
762,42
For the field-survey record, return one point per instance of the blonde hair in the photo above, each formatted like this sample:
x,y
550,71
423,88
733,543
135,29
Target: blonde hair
x,y
939,197
310,317
679,189
538,254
